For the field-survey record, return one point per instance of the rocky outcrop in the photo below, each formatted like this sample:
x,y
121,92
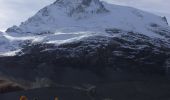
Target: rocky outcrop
x,y
165,19
131,53
9,86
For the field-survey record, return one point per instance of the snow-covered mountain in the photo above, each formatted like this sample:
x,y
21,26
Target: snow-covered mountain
x,y
67,16
71,39
66,21
61,15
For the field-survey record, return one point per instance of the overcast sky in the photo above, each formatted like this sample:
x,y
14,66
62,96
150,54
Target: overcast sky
x,y
12,12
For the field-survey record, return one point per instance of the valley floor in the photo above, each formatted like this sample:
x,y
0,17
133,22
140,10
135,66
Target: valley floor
x,y
156,89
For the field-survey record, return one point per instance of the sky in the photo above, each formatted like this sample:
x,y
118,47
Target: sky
x,y
13,12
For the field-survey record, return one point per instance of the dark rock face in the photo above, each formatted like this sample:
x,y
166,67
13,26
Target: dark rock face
x,y
86,2
83,2
130,53
77,7
165,19
13,29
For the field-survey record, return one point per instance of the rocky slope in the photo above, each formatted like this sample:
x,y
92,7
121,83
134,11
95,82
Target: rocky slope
x,y
86,41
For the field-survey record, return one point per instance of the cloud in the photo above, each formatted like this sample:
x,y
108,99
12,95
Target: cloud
x,y
12,12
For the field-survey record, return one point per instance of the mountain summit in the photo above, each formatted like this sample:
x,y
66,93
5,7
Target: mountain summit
x,y
68,16
60,14
81,6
